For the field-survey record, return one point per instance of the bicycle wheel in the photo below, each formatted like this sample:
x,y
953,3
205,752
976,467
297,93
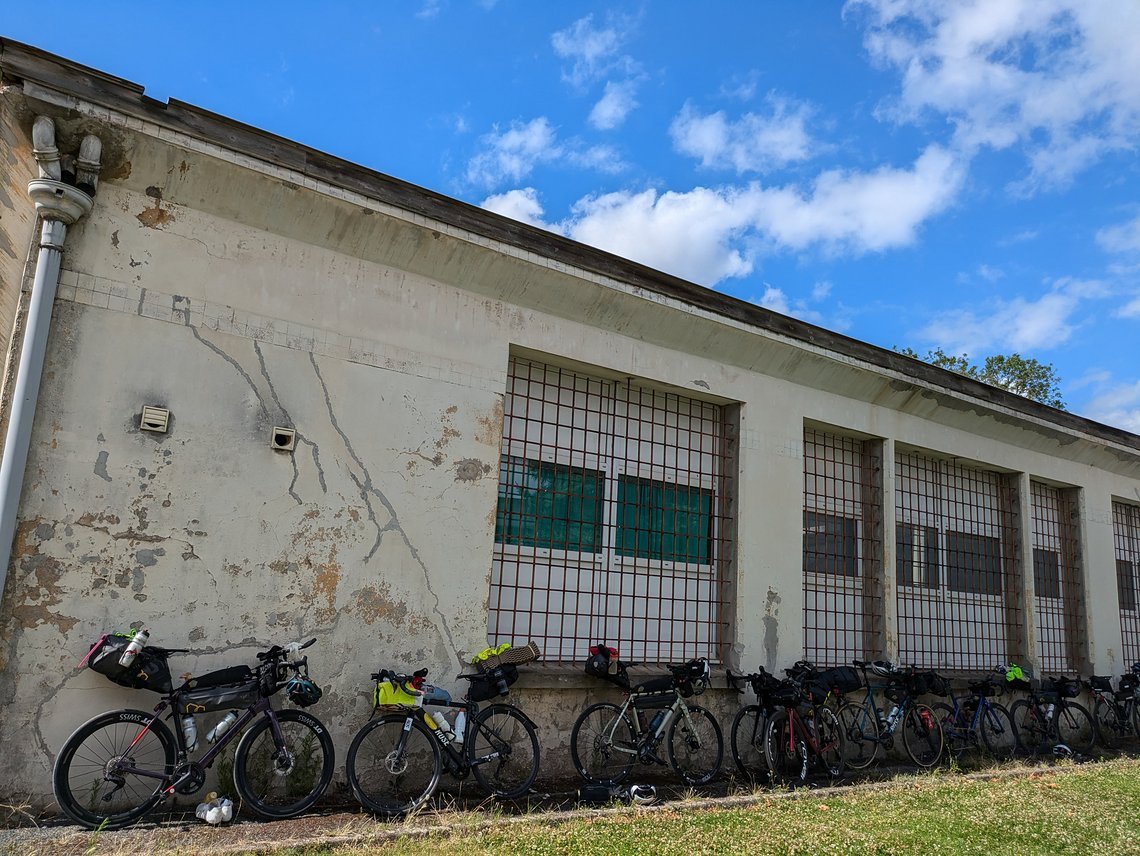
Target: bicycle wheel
x,y
94,778
282,781
960,737
998,733
503,751
747,742
393,769
922,736
696,746
1109,723
829,738
602,745
1029,726
860,735
787,755
1075,727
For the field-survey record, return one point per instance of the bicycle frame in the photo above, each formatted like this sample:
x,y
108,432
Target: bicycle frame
x,y
887,727
798,728
645,739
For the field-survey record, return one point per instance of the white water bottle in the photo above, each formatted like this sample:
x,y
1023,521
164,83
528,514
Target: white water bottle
x,y
460,726
893,715
190,732
134,646
443,725
1049,711
222,727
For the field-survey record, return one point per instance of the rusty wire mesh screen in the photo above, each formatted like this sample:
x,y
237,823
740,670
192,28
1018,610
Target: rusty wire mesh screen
x,y
1126,539
842,558
1058,596
611,523
958,587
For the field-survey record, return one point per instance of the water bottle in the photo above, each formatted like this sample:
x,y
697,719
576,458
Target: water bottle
x,y
1049,711
222,727
892,716
460,727
190,732
443,725
655,723
134,646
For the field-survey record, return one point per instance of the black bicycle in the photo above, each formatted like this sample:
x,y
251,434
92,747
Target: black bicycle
x,y
1050,717
746,738
396,760
608,738
119,765
1117,712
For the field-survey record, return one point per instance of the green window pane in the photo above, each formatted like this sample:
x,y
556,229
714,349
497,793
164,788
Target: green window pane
x,y
542,504
663,521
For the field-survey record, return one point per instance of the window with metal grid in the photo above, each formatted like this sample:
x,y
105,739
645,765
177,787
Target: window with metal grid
x,y
612,518
1126,538
957,580
842,558
1057,592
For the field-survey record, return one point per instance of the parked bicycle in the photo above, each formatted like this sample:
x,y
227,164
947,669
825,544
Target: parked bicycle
x,y
869,728
802,733
1050,717
396,760
977,722
607,739
746,737
1116,713
119,765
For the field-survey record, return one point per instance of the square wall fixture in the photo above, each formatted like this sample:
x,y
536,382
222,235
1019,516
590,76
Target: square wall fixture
x,y
283,439
156,419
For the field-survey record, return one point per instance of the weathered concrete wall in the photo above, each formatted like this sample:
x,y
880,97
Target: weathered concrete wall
x,y
240,298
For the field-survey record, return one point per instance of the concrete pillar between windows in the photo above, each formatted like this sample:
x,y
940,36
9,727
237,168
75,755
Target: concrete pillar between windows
x,y
890,579
1023,518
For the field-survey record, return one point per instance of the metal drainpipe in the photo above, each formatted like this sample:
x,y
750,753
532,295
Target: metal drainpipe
x,y
59,205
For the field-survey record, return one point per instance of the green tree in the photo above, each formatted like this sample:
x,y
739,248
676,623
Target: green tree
x,y
1020,375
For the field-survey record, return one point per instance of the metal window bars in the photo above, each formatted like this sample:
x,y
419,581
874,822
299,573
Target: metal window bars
x,y
842,548
1058,593
612,522
1126,541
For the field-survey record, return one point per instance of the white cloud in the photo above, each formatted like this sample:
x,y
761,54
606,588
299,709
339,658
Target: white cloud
x,y
1131,309
618,100
753,143
1017,324
1123,238
1059,78
513,153
593,52
521,205
776,300
1119,406
863,211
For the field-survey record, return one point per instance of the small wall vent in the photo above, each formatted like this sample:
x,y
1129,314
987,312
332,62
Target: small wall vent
x,y
156,419
283,439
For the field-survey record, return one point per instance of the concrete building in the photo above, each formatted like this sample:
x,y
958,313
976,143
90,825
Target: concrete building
x,y
411,427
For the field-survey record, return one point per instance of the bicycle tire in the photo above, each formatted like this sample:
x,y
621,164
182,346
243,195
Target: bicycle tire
x,y
1074,727
831,742
78,777
506,739
787,757
997,731
922,736
1031,729
746,740
602,745
284,782
959,736
860,734
1111,728
1133,708
393,769
696,746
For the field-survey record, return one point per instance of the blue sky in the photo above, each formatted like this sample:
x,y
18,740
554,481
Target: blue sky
x,y
918,173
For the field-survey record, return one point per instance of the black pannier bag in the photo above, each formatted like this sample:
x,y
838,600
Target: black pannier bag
x,y
1100,682
693,680
1066,687
934,684
493,683
844,679
656,692
226,689
148,671
603,663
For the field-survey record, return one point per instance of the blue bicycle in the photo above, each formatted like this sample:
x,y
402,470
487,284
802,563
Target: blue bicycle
x,y
977,722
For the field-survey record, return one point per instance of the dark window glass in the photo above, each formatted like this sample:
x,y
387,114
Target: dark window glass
x,y
916,555
1046,572
543,504
830,544
1126,584
663,521
973,563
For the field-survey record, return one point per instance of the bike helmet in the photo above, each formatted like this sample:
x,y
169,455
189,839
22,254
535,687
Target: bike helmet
x,y
883,668
302,691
